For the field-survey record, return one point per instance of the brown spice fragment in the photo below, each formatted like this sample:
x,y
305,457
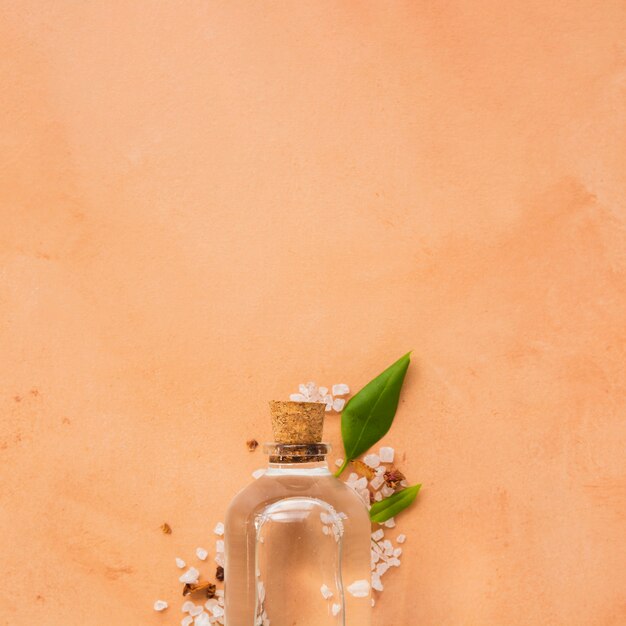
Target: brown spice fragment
x,y
192,588
363,469
219,573
252,444
393,477
166,528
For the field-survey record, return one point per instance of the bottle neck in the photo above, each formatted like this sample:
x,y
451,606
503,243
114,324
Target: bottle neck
x,y
311,468
303,455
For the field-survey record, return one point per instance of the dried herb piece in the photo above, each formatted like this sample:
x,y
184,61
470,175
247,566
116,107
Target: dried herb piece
x,y
363,469
166,528
368,415
192,588
219,573
381,511
252,444
393,477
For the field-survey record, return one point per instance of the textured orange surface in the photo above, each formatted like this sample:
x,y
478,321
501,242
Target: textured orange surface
x,y
205,203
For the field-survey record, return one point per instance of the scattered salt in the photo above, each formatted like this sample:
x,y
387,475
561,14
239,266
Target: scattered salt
x,y
381,568
377,481
387,491
361,483
186,621
202,554
390,523
338,404
219,545
335,608
323,391
387,454
376,583
297,397
190,576
160,605
339,462
180,563
219,529
401,538
377,535
341,390
371,460
326,592
397,552
196,610
359,588
202,620
187,606
378,496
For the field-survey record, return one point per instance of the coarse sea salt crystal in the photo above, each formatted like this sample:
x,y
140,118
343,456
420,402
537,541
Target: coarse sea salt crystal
x,y
258,473
202,554
371,460
361,483
352,478
328,401
359,588
377,481
323,391
187,606
377,535
376,583
365,496
326,592
339,462
401,538
378,496
202,620
160,605
381,568
335,608
196,610
340,389
190,576
180,563
387,454
338,404
390,523
297,397
219,529
217,611
387,491
219,556
186,621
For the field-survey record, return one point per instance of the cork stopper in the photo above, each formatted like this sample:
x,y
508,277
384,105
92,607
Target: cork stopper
x,y
297,422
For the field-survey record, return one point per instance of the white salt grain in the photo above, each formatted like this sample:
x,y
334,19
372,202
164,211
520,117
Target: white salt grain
x,y
341,390
202,554
187,606
401,538
258,473
338,404
186,621
323,391
180,563
397,552
381,568
390,523
196,610
190,576
160,605
326,592
335,608
339,462
219,556
372,460
219,529
361,483
297,397
377,481
387,491
378,496
387,454
202,620
377,535
219,545
376,583
359,588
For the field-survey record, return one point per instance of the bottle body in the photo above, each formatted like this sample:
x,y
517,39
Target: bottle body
x,y
297,551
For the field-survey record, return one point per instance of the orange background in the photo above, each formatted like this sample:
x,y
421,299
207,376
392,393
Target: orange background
x,y
205,203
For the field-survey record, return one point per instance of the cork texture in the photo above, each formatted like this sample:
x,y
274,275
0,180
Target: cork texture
x,y
297,422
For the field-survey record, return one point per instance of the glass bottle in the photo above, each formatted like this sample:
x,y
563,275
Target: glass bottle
x,y
297,540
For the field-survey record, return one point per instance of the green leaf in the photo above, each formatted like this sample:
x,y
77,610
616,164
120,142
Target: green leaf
x,y
383,510
368,415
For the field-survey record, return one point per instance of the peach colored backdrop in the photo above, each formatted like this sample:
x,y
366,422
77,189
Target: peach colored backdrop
x,y
205,203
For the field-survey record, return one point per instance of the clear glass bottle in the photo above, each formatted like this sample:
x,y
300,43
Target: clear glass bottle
x,y
297,540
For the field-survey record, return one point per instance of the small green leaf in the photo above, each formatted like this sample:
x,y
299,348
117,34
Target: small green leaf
x,y
368,415
383,510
